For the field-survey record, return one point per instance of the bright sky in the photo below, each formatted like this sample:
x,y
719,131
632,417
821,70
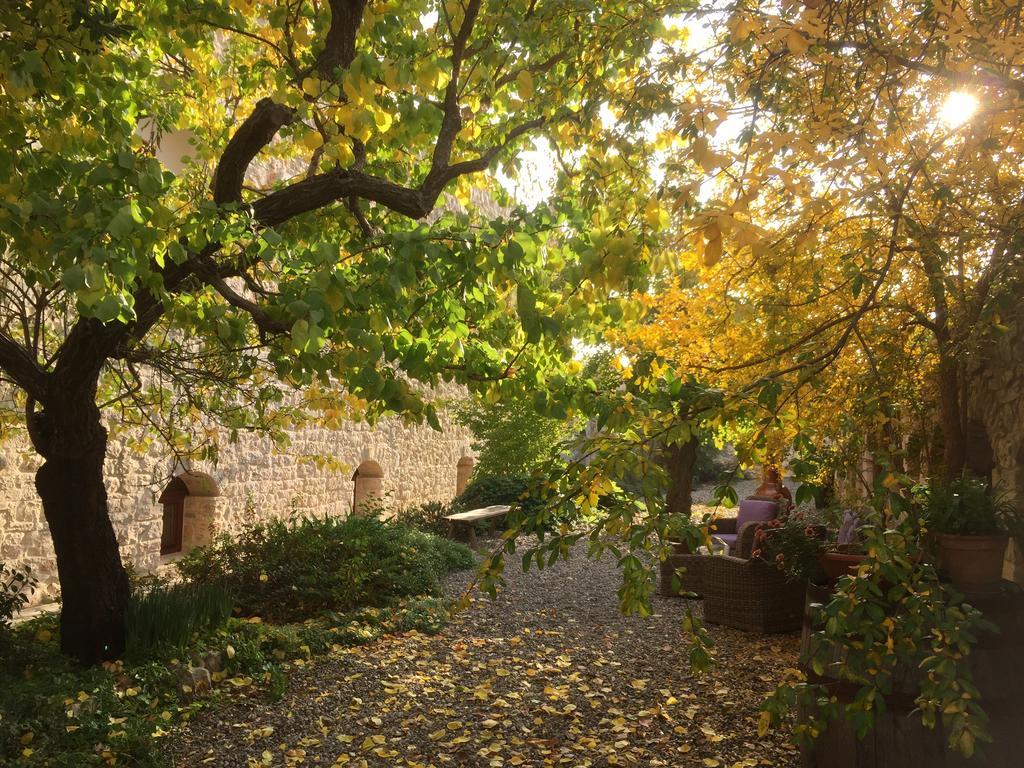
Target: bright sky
x,y
534,182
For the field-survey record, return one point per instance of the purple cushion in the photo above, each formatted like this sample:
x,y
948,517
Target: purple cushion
x,y
756,511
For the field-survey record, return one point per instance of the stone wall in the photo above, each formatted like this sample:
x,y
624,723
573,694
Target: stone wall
x,y
997,404
251,481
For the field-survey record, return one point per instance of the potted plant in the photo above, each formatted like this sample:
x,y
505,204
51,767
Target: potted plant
x,y
973,527
792,546
886,648
684,535
843,557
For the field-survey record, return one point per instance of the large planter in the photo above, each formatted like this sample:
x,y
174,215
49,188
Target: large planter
x,y
899,738
973,561
837,564
771,486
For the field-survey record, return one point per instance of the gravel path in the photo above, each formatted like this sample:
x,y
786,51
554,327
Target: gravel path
x,y
548,674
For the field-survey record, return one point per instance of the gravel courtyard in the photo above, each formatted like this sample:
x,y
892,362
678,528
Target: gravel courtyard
x,y
548,674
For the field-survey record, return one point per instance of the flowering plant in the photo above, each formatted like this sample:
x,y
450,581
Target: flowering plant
x,y
791,545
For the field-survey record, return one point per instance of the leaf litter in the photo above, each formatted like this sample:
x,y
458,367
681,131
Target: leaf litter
x,y
549,674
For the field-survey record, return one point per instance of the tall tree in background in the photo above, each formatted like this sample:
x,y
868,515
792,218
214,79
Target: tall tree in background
x,y
291,247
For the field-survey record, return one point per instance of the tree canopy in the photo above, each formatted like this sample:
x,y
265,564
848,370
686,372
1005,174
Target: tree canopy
x,y
847,205
320,234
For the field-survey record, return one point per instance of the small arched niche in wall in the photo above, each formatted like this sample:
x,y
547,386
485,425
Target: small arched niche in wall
x,y
367,486
463,471
189,509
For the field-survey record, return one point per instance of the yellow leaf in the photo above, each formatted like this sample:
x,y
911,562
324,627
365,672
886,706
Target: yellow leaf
x,y
524,84
311,140
966,743
764,722
797,43
311,86
382,119
713,251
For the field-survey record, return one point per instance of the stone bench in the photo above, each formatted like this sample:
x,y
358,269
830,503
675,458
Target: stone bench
x,y
462,525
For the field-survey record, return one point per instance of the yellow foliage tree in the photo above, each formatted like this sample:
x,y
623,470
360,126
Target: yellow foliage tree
x,y
847,197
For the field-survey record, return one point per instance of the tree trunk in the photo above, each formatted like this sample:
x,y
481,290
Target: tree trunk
x,y
69,435
679,461
954,441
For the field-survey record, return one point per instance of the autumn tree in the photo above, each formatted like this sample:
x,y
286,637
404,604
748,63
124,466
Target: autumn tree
x,y
842,183
319,235
845,183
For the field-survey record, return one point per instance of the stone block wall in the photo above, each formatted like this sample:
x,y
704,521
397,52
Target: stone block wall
x,y
997,403
252,481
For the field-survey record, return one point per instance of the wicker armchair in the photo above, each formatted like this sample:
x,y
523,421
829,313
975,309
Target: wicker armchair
x,y
682,575
750,595
744,542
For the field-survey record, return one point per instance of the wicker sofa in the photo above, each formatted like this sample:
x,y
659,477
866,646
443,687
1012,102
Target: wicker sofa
x,y
738,591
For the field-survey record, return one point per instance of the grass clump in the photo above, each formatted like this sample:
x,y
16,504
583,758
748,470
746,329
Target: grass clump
x,y
167,616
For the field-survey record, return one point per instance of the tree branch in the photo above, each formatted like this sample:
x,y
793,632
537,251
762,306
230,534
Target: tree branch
x,y
252,136
263,321
19,365
451,123
340,43
986,78
415,202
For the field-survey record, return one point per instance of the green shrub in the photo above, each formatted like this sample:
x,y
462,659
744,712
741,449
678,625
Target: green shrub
x,y
59,714
424,614
168,616
15,588
55,713
486,490
290,571
513,437
428,517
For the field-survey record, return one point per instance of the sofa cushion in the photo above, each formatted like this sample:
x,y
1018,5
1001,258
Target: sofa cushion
x,y
756,511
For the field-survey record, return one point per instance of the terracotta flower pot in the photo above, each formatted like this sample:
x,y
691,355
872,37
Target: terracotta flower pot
x,y
771,486
973,561
836,564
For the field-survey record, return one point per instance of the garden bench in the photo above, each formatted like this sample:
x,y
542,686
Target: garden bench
x,y
462,525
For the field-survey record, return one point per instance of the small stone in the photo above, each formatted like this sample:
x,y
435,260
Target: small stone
x,y
214,662
86,707
196,678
